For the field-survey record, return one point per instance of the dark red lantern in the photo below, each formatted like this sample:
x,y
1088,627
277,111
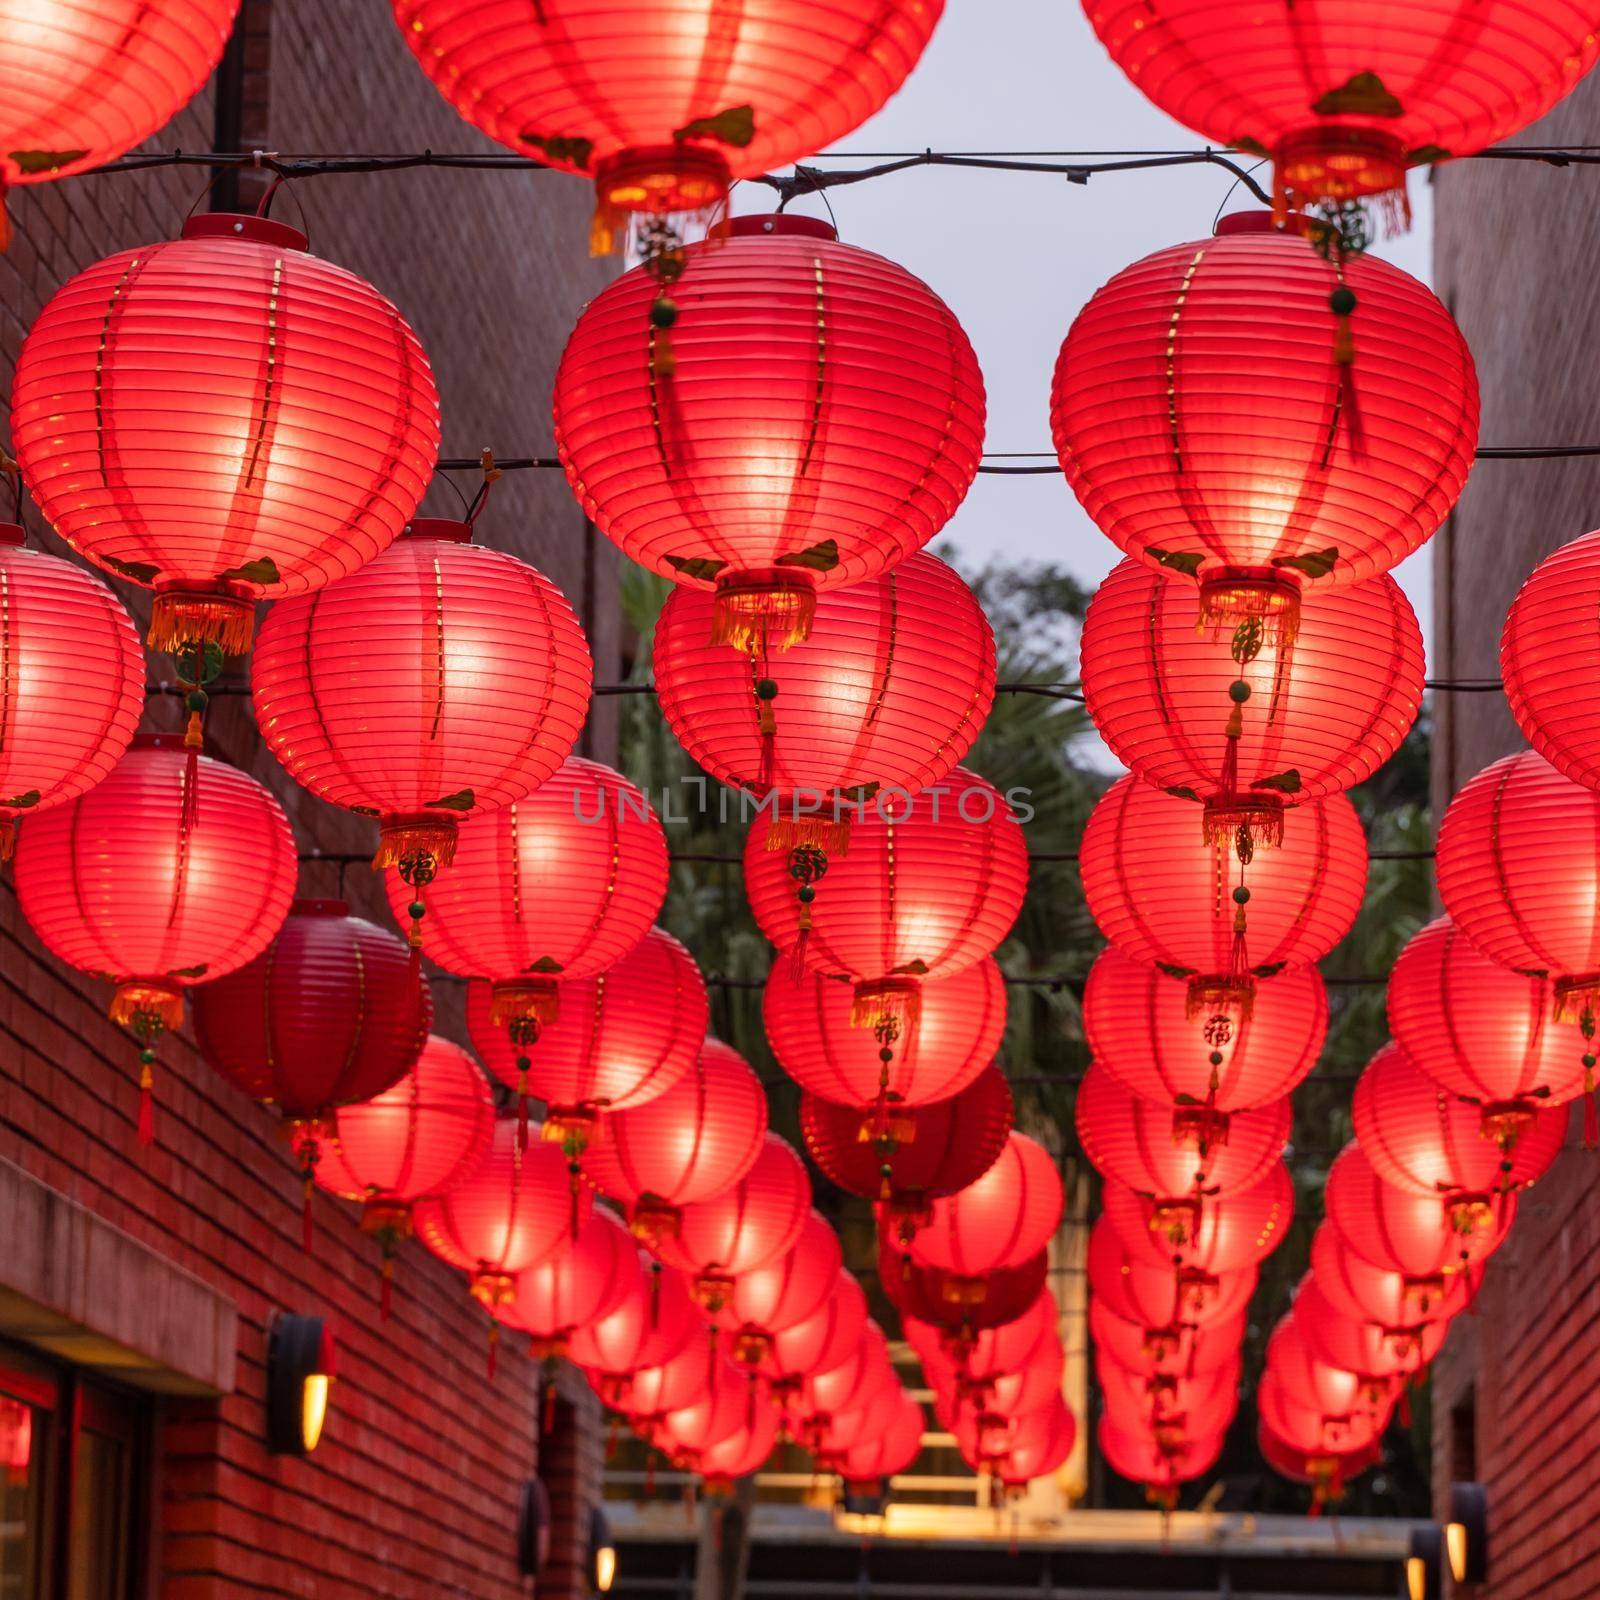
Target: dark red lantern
x,y
933,1295
1176,1349
1223,917
1327,1472
868,1467
686,1146
825,1339
742,1228
1162,1297
1392,1299
185,439
578,1285
652,1321
783,1293
174,870
664,108
1237,717
960,1023
1227,1234
1375,1354
1308,1428
1161,1464
617,1041
73,677
907,1161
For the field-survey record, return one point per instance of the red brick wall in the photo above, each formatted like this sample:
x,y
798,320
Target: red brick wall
x,y
415,1488
1514,257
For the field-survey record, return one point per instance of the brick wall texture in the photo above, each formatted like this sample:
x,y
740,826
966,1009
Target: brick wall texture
x,y
1514,1398
414,1490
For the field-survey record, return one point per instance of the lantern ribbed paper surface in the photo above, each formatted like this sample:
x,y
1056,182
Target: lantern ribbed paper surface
x,y
576,1286
648,1393
1178,1351
1312,1382
1326,1471
651,1322
719,1413
998,1221
821,421
743,1452
991,1352
1160,1465
935,1296
790,1290
1363,1347
1178,1407
1309,1428
822,1341
1394,1300
875,1460
223,418
1231,1233
1159,1297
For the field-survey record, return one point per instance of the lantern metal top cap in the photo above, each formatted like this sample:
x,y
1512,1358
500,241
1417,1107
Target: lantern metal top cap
x,y
1259,221
233,225
455,531
774,225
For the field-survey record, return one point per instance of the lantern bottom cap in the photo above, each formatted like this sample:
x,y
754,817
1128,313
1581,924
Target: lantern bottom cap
x,y
1339,161
671,180
184,618
760,611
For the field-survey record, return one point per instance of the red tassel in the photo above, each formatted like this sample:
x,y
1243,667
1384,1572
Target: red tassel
x,y
1316,1504
650,1474
191,787
147,1108
549,1409
611,1436
386,1293
494,1351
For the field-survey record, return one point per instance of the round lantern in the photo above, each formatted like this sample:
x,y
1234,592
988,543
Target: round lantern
x,y
576,1286
931,885
1244,724
1174,1408
907,1162
1334,1393
174,870
722,1409
688,1145
560,884
1009,1214
832,1439
825,1339
664,108
990,1352
515,1211
73,674
742,1228
1221,917
933,1295
785,1292
617,1040
888,691
869,1465
825,1400
1177,1350
1003,1398
187,438
441,681
1394,1300
1308,1428
1183,1157
1375,1354
1326,1471
1162,1297
743,1452
1136,1019
420,1136
1341,109
960,1024
997,1443
82,86
1163,1466
1517,849
1399,1230
1230,1234
1421,1138
653,1320
817,419
648,1393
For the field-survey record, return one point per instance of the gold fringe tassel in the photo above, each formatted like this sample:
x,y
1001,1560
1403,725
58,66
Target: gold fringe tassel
x,y
763,616
517,998
142,997
1236,997
830,834
892,1000
400,837
1261,816
178,619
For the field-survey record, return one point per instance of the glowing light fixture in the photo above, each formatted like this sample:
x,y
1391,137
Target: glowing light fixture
x,y
300,1372
1466,1534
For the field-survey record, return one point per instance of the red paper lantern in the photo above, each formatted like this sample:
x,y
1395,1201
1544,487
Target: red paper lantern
x,y
960,1023
818,419
1373,1353
248,421
1332,1392
1009,1214
82,87
1309,1429
1248,725
1519,851
1188,1351
1420,1138
990,1416
831,1441
978,1357
1041,1446
868,1466
617,1041
686,1146
652,1321
646,1394
743,1452
931,885
558,885
718,1240
833,1406
722,1408
441,681
60,630
1163,1466
172,871
1342,108
825,1339
664,108
887,691
785,1292
1326,1471
933,1295
1394,1300
910,1159
1231,1234
584,1280
1162,1297
1163,896
515,1211
1172,1407
1399,1230
1183,1157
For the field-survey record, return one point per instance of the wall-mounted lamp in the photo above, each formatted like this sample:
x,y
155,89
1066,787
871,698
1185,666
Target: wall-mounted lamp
x,y
1425,1563
533,1529
300,1367
1466,1534
602,1553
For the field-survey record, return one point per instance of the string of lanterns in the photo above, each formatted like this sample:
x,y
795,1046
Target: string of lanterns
x,y
1265,422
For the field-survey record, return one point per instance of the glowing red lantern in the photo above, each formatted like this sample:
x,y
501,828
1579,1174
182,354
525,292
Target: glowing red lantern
x,y
1041,1446
1164,896
1227,1235
868,1466
188,442
942,1298
1244,723
1009,1214
1327,1472
580,1283
558,885
745,1227
785,1292
725,1403
960,1023
1162,1465
420,1136
1173,1407
647,1394
1162,1297
1394,1300
82,86
1375,1354
663,108
686,1146
887,691
1420,1138
825,1339
61,629
931,885
617,1041
833,1438
832,1406
1183,1157
1309,1429
988,1419
992,1352
1179,1349
174,870
1342,109
1334,1393
743,1452
908,1161
652,1321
